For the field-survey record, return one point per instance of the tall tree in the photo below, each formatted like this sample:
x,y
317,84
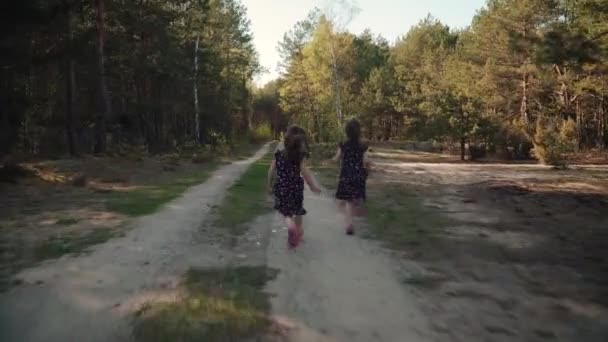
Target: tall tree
x,y
105,109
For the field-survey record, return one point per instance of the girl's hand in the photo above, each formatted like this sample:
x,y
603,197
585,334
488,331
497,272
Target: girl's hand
x,y
315,189
269,189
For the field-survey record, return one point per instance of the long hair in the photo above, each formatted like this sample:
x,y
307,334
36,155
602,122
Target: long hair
x,y
353,132
296,145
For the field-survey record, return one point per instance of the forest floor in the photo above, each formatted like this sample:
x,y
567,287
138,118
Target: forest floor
x,y
481,251
497,252
65,206
93,296
449,251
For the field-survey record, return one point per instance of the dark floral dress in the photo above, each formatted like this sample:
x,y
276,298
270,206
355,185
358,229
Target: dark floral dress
x,y
288,188
353,175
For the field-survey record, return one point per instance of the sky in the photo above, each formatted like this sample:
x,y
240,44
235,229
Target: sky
x,y
270,19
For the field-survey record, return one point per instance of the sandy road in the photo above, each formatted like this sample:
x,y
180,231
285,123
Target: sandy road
x,y
339,288
89,298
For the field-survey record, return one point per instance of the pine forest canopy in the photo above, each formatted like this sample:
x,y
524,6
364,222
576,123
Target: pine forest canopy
x,y
524,73
82,76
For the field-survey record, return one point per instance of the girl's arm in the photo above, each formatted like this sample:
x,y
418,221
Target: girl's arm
x,y
270,178
309,179
338,155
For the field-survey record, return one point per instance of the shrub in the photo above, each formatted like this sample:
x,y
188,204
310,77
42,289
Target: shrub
x,y
260,133
202,157
221,146
477,151
568,135
554,138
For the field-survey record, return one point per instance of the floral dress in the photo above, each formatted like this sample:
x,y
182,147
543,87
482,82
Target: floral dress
x,y
353,175
289,186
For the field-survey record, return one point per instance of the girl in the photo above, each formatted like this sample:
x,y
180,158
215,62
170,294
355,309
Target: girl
x,y
353,173
288,189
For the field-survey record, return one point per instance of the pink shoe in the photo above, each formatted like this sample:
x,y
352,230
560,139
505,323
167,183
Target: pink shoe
x,y
350,230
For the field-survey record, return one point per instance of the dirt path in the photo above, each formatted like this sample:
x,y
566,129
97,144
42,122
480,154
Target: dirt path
x,y
89,298
339,288
520,255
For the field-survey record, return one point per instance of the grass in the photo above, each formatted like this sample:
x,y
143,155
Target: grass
x,y
246,199
327,175
148,199
67,221
425,281
325,169
400,218
244,149
396,215
219,305
59,245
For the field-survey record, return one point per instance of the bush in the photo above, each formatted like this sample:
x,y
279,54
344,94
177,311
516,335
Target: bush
x,y
261,133
222,146
170,159
568,136
477,151
553,140
79,180
202,157
322,151
198,154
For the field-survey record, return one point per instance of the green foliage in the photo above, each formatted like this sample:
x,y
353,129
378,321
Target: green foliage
x,y
261,133
266,108
568,135
149,63
220,305
554,139
518,61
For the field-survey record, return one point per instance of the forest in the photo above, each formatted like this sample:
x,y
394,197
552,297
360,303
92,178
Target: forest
x,y
89,76
525,78
525,75
138,151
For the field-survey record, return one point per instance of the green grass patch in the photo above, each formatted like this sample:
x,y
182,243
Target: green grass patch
x,y
246,199
327,175
325,169
220,305
148,199
399,217
59,245
243,149
67,221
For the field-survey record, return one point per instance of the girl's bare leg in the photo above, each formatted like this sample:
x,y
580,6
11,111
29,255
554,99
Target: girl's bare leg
x,y
292,231
299,229
341,206
348,214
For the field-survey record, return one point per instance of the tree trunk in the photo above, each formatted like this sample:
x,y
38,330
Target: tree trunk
x,y
69,118
197,115
524,98
336,78
105,108
580,122
70,90
463,150
602,125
